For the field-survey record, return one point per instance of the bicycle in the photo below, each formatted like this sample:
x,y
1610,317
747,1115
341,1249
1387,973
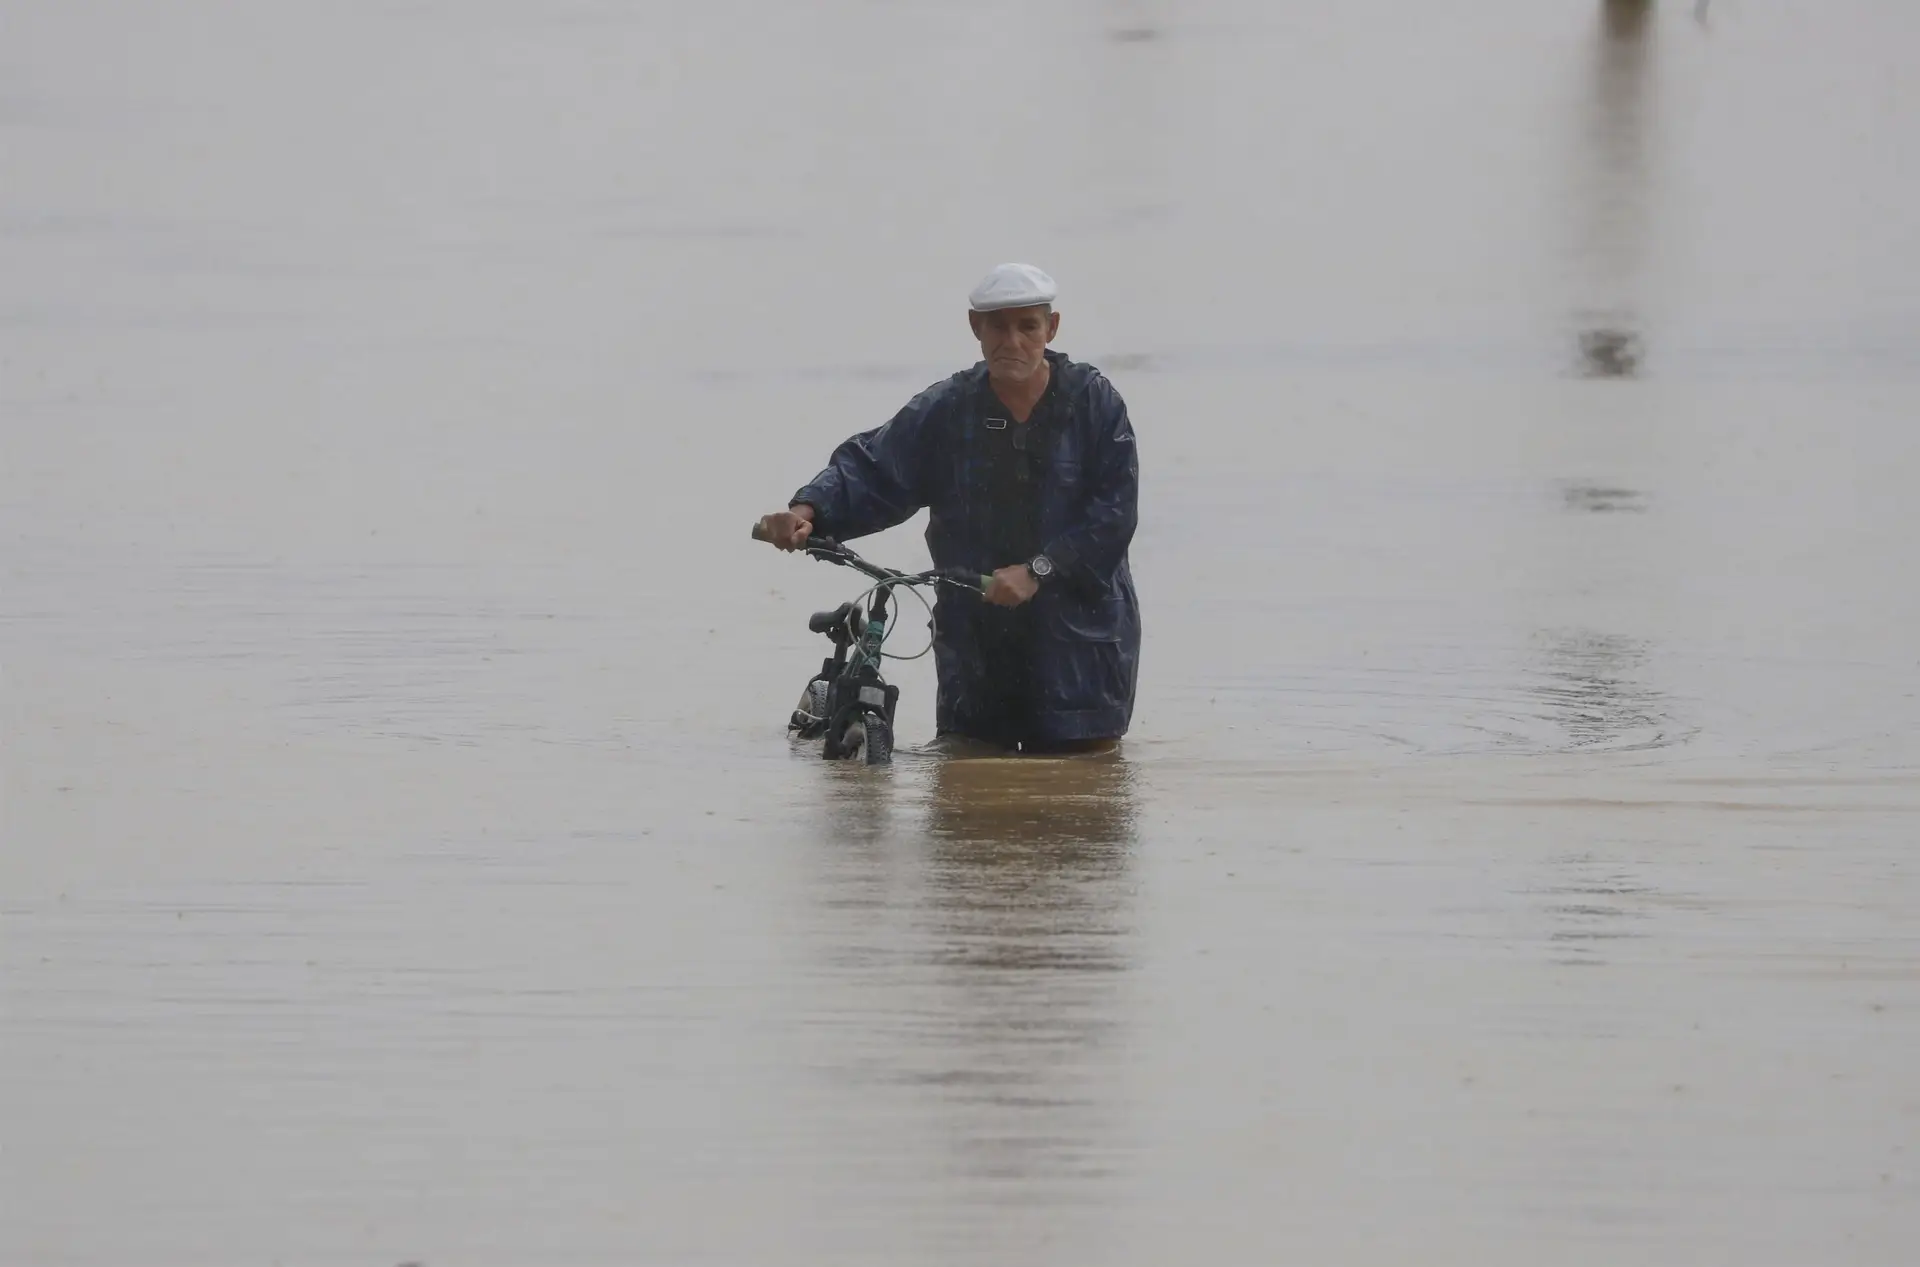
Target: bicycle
x,y
848,704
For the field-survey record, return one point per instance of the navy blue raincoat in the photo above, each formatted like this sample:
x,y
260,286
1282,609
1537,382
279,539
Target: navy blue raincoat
x,y
1084,643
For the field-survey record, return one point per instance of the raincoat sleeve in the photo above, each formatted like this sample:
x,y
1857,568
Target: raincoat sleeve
x,y
1088,553
879,478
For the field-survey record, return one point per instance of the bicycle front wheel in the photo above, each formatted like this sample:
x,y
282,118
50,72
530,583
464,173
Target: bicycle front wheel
x,y
879,745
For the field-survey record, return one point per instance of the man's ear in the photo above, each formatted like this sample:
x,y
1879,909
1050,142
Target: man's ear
x,y
973,322
1053,326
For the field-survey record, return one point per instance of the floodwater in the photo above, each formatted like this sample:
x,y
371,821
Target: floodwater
x,y
1514,858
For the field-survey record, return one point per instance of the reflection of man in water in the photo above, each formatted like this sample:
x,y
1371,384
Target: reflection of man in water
x,y
1026,463
1028,926
1031,870
1036,813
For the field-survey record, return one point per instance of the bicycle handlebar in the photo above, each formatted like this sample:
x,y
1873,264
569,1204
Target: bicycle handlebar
x,y
833,552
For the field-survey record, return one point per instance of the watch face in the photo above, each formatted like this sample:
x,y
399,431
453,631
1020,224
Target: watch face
x,y
1042,566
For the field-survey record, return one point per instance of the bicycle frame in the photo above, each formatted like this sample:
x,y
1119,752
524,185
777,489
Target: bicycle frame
x,y
856,690
848,704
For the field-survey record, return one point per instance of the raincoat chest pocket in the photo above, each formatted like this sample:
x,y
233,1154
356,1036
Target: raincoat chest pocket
x,y
1068,477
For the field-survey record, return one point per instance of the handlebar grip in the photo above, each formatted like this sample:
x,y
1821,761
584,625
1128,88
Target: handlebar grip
x,y
815,541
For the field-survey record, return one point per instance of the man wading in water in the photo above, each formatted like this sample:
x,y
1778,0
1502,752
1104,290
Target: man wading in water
x,y
1026,463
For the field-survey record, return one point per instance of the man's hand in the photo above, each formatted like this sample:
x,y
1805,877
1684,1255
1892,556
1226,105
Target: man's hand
x,y
1012,586
788,529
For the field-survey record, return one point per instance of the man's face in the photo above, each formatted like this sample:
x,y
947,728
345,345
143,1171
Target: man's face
x,y
1013,341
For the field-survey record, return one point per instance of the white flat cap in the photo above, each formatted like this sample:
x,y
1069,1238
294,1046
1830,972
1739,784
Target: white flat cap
x,y
1012,286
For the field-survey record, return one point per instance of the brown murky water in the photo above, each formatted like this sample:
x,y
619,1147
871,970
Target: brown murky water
x,y
400,858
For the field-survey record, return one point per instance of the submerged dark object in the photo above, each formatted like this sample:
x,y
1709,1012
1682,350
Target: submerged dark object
x,y
1609,353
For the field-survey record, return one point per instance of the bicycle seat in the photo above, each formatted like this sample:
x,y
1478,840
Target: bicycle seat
x,y
821,622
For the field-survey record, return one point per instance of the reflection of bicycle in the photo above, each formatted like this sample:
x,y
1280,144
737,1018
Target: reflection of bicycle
x,y
848,702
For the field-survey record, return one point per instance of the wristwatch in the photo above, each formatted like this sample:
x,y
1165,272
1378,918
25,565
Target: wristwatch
x,y
1040,567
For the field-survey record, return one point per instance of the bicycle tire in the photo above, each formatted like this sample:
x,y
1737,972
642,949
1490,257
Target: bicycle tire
x,y
849,743
810,717
879,744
